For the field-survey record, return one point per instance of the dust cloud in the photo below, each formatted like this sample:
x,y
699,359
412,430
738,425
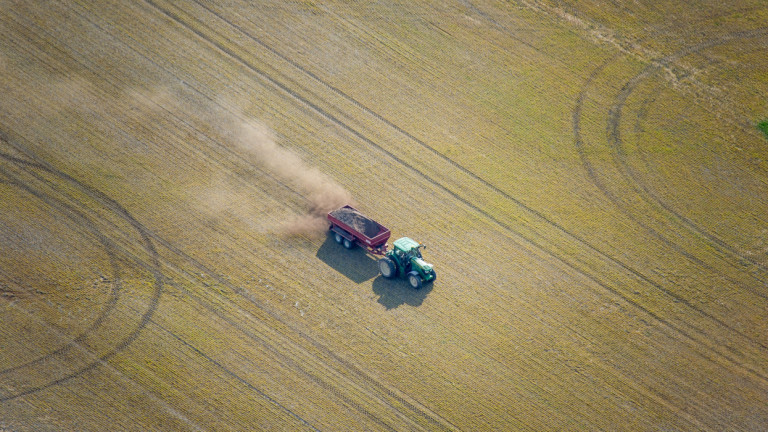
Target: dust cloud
x,y
322,192
259,144
222,121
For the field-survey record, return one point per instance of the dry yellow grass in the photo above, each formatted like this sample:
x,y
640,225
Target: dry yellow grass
x,y
589,181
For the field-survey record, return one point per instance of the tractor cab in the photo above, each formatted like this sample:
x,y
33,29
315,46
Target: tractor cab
x,y
407,248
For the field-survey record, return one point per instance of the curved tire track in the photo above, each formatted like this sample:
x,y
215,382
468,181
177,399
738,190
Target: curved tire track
x,y
146,242
152,266
615,143
80,219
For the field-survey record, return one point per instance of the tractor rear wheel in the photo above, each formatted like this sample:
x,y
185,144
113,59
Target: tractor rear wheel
x,y
387,267
414,279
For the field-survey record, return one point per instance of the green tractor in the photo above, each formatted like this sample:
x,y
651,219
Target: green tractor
x,y
405,261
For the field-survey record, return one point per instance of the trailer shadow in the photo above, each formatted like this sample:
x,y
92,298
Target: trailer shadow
x,y
355,264
396,292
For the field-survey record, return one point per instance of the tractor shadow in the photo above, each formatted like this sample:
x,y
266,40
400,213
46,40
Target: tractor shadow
x,y
355,264
396,292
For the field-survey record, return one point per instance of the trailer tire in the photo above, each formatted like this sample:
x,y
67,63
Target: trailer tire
x,y
349,244
387,268
339,239
414,279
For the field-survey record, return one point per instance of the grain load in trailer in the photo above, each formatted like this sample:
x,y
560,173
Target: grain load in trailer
x,y
350,228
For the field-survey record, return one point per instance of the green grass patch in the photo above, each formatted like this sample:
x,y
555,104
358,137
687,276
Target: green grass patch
x,y
763,126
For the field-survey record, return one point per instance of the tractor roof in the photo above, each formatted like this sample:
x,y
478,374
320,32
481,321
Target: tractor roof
x,y
405,244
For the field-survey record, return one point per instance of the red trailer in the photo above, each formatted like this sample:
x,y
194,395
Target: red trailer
x,y
350,228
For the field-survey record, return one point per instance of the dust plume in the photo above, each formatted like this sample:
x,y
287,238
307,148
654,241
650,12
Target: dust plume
x,y
322,192
222,121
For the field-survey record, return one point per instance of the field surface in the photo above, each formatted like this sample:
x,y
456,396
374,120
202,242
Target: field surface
x,y
589,178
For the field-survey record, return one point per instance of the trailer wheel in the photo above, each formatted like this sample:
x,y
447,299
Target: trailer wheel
x,y
348,244
338,238
414,279
387,267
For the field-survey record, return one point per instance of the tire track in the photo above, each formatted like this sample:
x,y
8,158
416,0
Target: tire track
x,y
616,143
615,119
82,220
595,178
676,298
146,243
656,65
147,266
294,94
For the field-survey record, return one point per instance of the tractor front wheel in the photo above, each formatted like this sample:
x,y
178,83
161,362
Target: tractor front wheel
x,y
414,279
387,267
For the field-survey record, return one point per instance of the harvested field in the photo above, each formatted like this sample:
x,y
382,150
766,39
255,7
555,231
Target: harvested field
x,y
590,179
